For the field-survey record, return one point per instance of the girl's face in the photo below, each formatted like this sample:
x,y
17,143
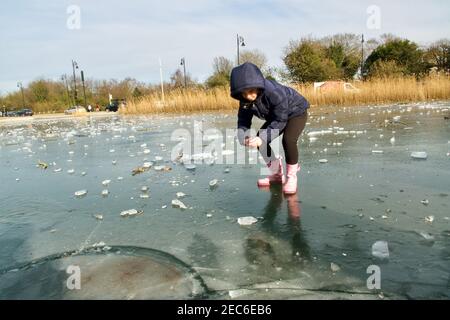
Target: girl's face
x,y
250,94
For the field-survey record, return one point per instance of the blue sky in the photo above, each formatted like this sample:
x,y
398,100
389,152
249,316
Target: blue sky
x,y
119,39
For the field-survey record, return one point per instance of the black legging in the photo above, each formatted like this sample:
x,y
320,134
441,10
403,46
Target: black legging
x,y
291,132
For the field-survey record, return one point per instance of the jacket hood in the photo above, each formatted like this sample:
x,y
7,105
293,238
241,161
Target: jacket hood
x,y
243,77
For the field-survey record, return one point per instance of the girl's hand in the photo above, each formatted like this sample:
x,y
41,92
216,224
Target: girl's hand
x,y
254,142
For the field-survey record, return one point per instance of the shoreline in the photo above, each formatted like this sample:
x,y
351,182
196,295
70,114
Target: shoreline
x,y
103,114
54,116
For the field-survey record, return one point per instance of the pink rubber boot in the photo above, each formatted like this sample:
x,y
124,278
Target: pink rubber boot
x,y
290,187
276,176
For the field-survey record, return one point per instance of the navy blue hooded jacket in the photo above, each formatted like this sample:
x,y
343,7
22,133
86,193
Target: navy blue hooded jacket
x,y
276,103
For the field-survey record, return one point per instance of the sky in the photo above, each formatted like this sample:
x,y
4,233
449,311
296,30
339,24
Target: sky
x,y
119,39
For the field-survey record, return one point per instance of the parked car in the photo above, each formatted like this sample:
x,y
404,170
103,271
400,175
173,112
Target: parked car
x,y
11,113
75,110
24,113
115,104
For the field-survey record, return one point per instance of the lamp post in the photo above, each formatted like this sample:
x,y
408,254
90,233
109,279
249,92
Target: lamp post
x,y
240,42
84,89
183,63
19,85
74,65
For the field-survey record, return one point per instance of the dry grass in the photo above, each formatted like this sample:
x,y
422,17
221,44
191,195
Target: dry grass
x,y
183,101
377,91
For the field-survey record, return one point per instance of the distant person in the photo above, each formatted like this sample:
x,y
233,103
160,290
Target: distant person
x,y
89,108
285,112
97,108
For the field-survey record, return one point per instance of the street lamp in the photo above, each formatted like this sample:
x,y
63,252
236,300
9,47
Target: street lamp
x,y
74,65
183,63
19,85
84,90
240,42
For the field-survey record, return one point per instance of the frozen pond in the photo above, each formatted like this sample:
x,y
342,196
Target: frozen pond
x,y
366,191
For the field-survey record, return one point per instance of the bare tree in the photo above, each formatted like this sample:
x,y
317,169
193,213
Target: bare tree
x,y
222,65
177,79
254,56
438,55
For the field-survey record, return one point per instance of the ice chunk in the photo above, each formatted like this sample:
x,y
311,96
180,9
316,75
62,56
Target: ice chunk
x,y
377,151
335,267
144,196
323,161
238,293
144,189
227,152
213,183
425,202
392,140
190,166
427,236
319,133
81,193
57,170
105,193
98,216
131,213
99,244
419,155
158,158
106,182
429,219
178,204
147,165
246,221
180,195
71,171
380,250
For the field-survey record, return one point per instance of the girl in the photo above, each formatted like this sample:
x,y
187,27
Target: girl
x,y
285,112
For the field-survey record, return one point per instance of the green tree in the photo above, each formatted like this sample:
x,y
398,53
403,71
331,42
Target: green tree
x,y
346,51
39,90
307,61
405,53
